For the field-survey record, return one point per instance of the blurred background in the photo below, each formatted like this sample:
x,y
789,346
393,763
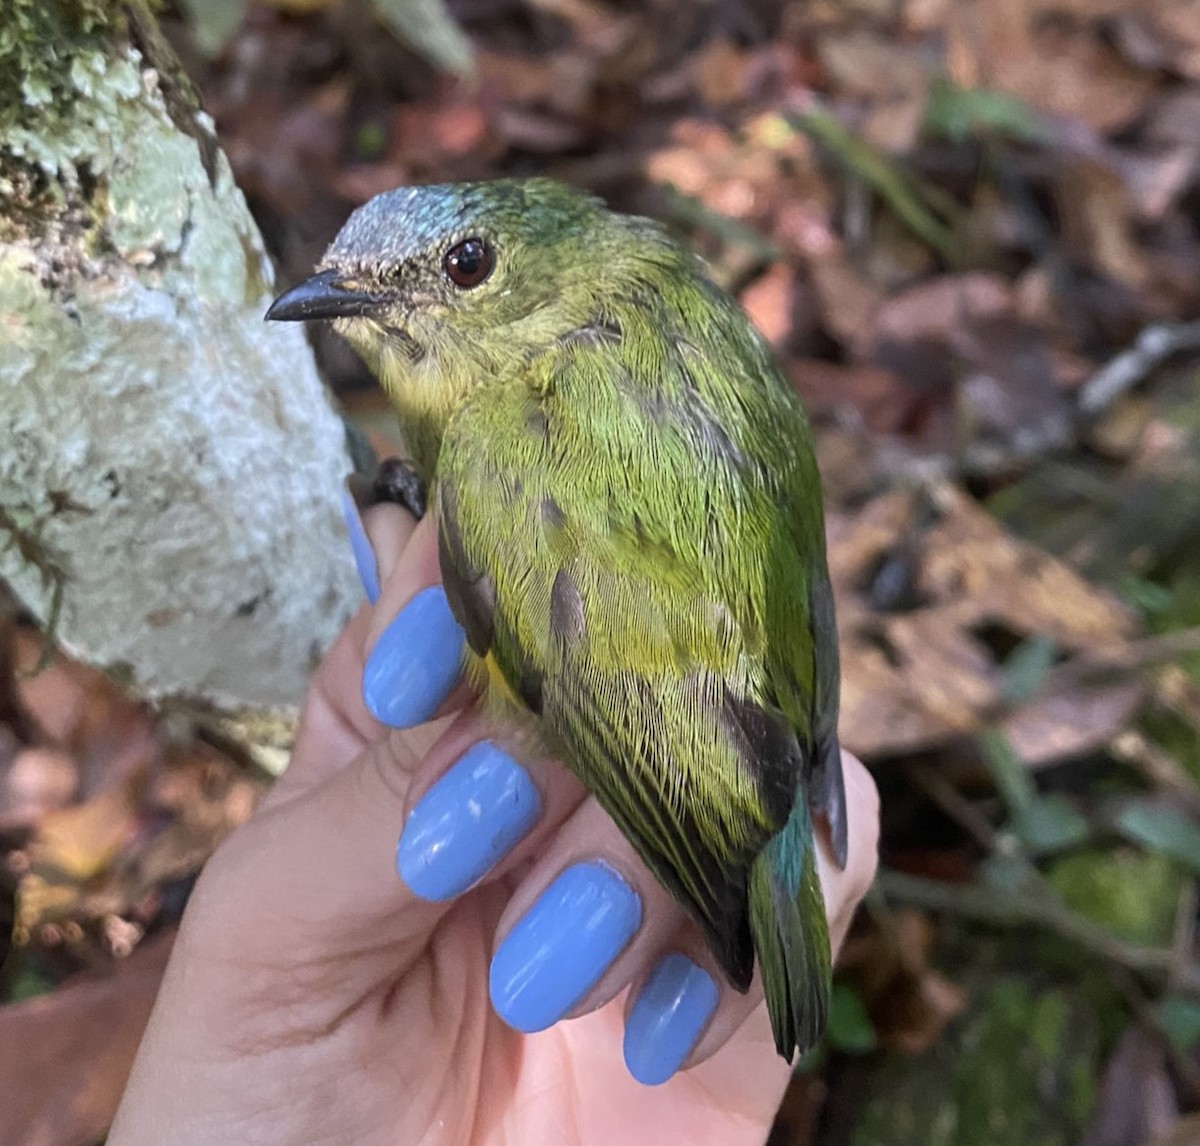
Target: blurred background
x,y
971,231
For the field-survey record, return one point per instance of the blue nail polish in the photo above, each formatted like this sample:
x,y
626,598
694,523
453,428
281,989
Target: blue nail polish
x,y
415,663
666,1021
562,945
360,544
472,817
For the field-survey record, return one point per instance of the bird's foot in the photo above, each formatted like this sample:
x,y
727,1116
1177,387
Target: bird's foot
x,y
396,481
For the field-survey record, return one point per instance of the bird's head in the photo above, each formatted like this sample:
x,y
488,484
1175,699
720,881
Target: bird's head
x,y
445,288
453,268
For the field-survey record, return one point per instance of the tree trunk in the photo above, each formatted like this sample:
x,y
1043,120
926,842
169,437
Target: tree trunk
x,y
170,466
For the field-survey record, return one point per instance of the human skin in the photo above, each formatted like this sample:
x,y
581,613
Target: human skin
x,y
312,997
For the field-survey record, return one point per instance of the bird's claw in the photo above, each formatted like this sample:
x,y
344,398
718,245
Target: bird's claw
x,y
396,481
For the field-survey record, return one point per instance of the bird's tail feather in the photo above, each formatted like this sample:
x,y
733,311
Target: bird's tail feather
x,y
791,936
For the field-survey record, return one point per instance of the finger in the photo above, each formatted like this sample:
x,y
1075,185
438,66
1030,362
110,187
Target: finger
x,y
580,926
377,539
341,716
415,647
446,806
589,919
328,879
682,1011
585,910
486,799
319,865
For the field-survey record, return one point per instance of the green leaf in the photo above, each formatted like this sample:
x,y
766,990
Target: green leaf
x,y
1180,1018
958,113
1004,872
1162,829
1050,824
1008,770
849,1027
28,984
213,22
907,197
1043,824
1134,893
1024,671
1149,597
427,27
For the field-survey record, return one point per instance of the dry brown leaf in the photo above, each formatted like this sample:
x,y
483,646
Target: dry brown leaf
x,y
892,77
537,131
914,679
939,308
57,696
908,1000
768,302
82,711
1059,68
1174,121
1156,183
1096,209
430,131
882,399
849,304
111,856
1136,1101
65,1057
865,64
895,126
82,841
926,15
1071,722
1185,1132
1178,23
721,72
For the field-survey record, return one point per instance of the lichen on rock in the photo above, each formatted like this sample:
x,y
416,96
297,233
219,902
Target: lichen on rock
x,y
170,464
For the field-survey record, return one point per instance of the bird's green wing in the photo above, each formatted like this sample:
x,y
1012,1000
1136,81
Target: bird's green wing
x,y
613,553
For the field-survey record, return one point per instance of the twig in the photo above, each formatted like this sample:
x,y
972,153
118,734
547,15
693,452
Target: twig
x,y
1153,346
1184,1065
1183,943
1006,908
1124,658
1158,766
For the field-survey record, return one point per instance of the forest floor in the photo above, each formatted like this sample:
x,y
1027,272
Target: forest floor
x,y
971,231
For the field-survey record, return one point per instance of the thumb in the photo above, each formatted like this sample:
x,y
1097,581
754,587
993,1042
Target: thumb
x,y
336,723
312,882
317,861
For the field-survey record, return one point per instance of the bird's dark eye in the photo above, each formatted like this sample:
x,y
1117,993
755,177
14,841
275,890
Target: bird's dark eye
x,y
468,263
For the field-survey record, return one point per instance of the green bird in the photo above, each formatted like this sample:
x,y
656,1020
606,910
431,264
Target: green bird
x,y
631,535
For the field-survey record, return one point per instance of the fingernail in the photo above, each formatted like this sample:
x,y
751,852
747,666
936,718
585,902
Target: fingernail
x,y
667,1019
415,663
562,945
360,545
475,814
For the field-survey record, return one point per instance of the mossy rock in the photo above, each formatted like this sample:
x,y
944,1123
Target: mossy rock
x,y
1018,1069
1133,893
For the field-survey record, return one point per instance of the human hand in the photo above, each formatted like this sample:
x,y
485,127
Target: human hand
x,y
312,996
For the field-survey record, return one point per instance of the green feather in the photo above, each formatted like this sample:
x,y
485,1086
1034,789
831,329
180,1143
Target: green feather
x,y
631,531
787,922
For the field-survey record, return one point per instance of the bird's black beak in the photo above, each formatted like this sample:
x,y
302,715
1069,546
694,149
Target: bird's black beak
x,y
322,296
